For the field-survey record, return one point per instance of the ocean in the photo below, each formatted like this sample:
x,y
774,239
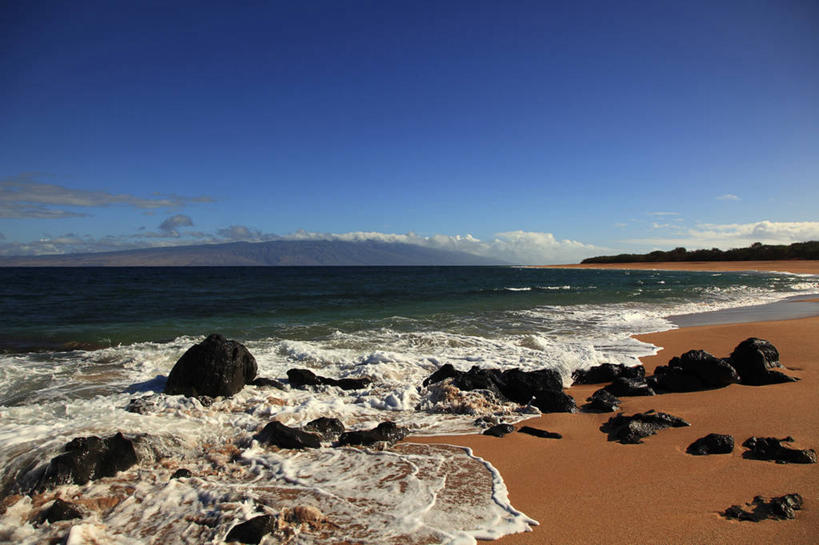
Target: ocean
x,y
78,345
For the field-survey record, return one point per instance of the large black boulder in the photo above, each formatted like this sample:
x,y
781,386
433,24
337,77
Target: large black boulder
x,y
551,401
607,372
521,386
387,432
305,377
214,367
632,429
779,508
713,443
771,448
253,530
674,379
86,459
714,372
756,361
277,434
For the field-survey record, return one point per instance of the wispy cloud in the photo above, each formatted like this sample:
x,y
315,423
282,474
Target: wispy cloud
x,y
24,197
734,235
663,213
728,197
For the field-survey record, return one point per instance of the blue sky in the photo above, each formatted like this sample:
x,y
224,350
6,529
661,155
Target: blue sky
x,y
534,131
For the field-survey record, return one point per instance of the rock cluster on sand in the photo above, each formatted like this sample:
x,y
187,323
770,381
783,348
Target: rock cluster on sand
x,y
542,388
607,372
214,367
779,508
770,448
632,429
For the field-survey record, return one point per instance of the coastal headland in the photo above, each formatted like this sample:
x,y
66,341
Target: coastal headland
x,y
584,489
795,266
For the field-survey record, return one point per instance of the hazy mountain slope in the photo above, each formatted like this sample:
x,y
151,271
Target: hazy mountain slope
x,y
274,253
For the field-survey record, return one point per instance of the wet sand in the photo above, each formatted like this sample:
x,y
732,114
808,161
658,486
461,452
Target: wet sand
x,y
797,266
586,490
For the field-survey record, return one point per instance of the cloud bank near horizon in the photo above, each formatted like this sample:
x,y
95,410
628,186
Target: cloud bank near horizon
x,y
735,235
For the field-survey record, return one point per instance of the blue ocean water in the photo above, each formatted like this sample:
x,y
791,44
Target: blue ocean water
x,y
78,345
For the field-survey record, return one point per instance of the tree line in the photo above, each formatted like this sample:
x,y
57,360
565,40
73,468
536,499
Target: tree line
x,y
755,252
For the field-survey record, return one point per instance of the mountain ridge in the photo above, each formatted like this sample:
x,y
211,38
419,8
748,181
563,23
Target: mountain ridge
x,y
277,253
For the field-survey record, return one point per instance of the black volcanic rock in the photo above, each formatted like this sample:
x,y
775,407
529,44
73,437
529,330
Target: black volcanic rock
x,y
277,434
58,510
182,473
550,401
713,443
632,429
674,379
625,387
263,382
252,530
602,401
540,433
779,508
385,432
543,387
770,448
756,361
712,371
499,430
607,372
214,367
86,459
305,377
328,428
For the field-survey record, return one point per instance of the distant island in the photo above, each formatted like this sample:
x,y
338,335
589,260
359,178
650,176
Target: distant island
x,y
265,254
755,252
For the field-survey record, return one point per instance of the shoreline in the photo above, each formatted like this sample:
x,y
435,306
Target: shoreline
x,y
793,266
584,489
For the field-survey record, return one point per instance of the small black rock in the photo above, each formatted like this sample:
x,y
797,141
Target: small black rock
x,y
328,428
387,432
602,401
181,473
771,448
779,508
277,434
253,530
713,443
499,430
264,382
59,510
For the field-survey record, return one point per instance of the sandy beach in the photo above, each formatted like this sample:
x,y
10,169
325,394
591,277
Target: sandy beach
x,y
584,489
796,266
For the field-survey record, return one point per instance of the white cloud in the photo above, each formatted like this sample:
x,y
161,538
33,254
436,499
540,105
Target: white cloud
x,y
663,213
737,235
728,197
170,226
23,197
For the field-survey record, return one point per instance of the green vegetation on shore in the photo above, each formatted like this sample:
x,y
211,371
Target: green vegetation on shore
x,y
755,252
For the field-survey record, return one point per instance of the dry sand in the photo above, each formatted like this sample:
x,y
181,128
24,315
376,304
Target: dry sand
x,y
798,266
586,490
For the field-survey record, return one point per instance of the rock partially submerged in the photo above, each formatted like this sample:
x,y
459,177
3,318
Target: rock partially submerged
x,y
756,361
264,382
632,429
602,401
771,448
607,372
214,367
328,428
58,510
499,430
86,459
386,432
542,388
252,530
277,434
778,508
540,433
305,377
713,443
